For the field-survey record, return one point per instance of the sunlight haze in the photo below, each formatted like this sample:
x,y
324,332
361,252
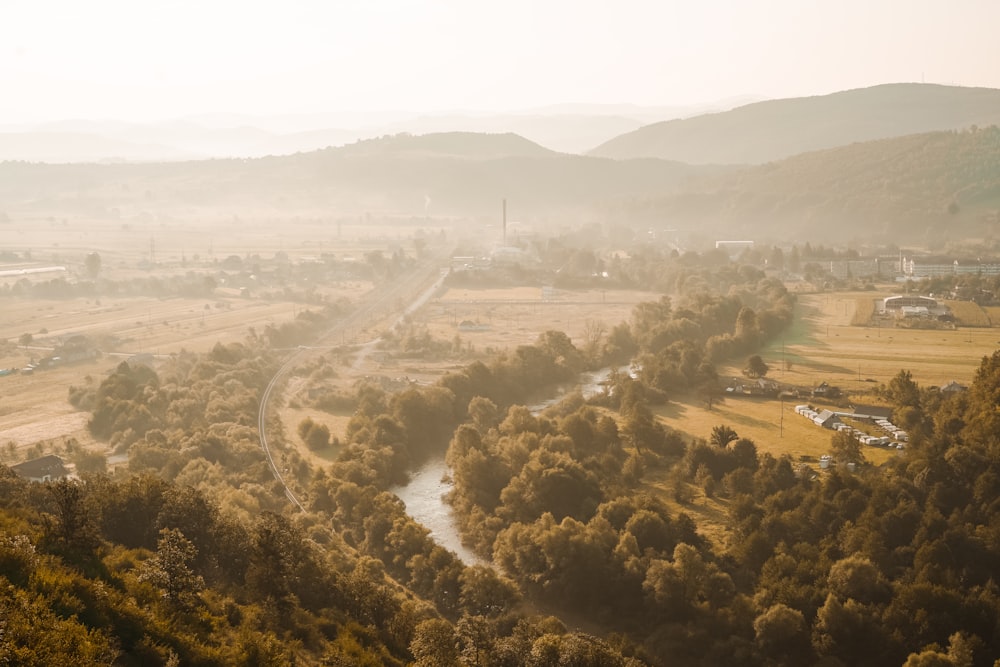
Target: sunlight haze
x,y
142,62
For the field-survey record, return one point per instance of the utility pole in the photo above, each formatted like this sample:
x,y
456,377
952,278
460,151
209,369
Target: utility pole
x,y
781,416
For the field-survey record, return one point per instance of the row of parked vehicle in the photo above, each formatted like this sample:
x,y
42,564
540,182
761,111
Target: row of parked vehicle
x,y
892,429
829,419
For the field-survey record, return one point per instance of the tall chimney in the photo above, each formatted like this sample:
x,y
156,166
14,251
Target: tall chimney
x,y
505,222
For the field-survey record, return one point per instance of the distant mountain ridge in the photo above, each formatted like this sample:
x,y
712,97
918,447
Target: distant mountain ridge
x,y
566,128
775,129
914,188
451,174
454,144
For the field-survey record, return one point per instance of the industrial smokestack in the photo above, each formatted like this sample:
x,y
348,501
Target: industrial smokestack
x,y
505,222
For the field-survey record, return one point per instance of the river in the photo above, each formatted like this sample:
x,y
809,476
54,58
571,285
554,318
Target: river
x,y
424,494
424,499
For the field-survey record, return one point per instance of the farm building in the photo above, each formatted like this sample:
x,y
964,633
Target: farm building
x,y
759,387
826,419
873,412
42,469
826,390
953,387
899,302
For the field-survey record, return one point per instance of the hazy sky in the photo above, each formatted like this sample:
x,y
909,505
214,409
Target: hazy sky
x,y
144,60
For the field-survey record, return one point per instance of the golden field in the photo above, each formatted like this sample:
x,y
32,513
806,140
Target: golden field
x,y
823,346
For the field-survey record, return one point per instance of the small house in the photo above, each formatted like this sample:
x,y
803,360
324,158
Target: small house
x,y
825,390
42,469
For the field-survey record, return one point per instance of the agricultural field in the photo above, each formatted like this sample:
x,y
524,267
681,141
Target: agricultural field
x,y
35,409
486,322
823,346
502,319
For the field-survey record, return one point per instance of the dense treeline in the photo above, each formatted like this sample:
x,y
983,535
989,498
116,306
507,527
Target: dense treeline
x,y
193,424
814,568
883,566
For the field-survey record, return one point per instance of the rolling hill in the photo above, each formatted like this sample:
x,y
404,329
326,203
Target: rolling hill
x,y
455,174
570,128
917,189
776,129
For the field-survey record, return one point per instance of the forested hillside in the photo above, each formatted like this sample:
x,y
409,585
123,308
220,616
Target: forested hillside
x,y
921,189
776,129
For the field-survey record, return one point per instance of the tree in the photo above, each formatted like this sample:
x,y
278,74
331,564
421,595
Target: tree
x,y
593,335
316,436
93,265
747,327
74,534
484,414
435,644
845,448
903,391
722,435
710,392
25,339
275,551
756,368
486,593
170,569
781,634
856,577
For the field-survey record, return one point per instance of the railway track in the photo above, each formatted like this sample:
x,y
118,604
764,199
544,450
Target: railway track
x,y
393,301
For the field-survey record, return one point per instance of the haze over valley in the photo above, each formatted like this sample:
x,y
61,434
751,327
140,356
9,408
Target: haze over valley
x,y
415,333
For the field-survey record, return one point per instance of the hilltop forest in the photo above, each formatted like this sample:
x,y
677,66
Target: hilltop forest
x,y
196,556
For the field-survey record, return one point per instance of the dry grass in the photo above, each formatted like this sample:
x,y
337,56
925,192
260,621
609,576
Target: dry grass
x,y
773,425
993,312
864,308
969,314
711,515
518,315
34,408
822,346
